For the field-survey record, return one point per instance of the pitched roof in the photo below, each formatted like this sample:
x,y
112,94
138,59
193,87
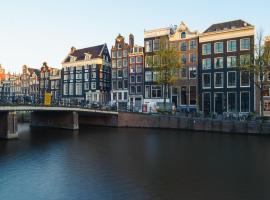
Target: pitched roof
x,y
227,25
80,53
32,70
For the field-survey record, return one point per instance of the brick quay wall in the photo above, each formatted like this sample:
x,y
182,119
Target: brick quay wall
x,y
137,120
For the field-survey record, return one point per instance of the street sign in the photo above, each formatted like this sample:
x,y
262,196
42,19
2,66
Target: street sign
x,y
48,99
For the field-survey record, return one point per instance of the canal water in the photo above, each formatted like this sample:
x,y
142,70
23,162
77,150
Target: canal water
x,y
115,164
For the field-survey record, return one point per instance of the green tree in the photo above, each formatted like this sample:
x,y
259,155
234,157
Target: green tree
x,y
165,64
258,67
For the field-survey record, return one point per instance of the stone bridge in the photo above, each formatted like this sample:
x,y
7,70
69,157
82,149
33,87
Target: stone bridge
x,y
57,117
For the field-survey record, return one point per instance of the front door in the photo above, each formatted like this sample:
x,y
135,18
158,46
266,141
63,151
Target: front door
x,y
175,100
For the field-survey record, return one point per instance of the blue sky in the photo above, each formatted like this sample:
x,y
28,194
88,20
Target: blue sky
x,y
34,31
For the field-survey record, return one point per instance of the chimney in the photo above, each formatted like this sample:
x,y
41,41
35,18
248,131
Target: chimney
x,y
72,50
131,40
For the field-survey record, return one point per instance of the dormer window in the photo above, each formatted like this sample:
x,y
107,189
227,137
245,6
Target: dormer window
x,y
88,56
72,59
183,35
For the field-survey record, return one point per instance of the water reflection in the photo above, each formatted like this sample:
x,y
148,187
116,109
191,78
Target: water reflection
x,y
109,163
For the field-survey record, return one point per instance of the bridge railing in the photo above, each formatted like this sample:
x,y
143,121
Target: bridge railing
x,y
66,105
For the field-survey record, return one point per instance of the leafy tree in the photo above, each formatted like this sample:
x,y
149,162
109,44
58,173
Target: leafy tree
x,y
165,64
258,67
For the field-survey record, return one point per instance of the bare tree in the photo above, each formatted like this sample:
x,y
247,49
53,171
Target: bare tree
x,y
166,64
259,67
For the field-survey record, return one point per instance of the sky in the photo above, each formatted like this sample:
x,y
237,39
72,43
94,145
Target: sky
x,y
37,31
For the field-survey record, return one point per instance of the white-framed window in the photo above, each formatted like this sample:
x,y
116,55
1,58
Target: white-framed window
x,y
139,79
86,85
245,60
218,76
114,64
156,44
119,54
132,69
147,92
78,76
206,49
218,47
147,60
192,58
120,73
192,95
93,75
139,89
206,102
192,72
231,61
86,76
65,89
183,46
139,68
231,102
71,88
245,44
125,73
148,76
206,80
119,63
148,46
218,62
132,89
113,54
206,63
155,76
231,46
125,53
245,101
139,59
78,88
132,79
114,85
156,91
93,85
245,79
231,79
125,62
132,60
65,77
192,44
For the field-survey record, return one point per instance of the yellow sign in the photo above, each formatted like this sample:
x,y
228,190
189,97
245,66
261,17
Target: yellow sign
x,y
48,99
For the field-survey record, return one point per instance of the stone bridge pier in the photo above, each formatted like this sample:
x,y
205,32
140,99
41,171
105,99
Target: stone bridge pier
x,y
8,125
55,119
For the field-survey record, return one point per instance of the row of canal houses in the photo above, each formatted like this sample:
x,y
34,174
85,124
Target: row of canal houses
x,y
209,79
30,85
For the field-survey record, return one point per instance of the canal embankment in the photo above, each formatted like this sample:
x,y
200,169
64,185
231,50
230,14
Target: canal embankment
x,y
138,120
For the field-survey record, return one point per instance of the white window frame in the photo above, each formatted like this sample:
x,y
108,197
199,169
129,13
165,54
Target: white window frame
x,y
215,75
228,79
241,40
229,57
215,60
243,86
235,101
241,101
203,53
205,59
228,45
203,94
203,81
215,50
